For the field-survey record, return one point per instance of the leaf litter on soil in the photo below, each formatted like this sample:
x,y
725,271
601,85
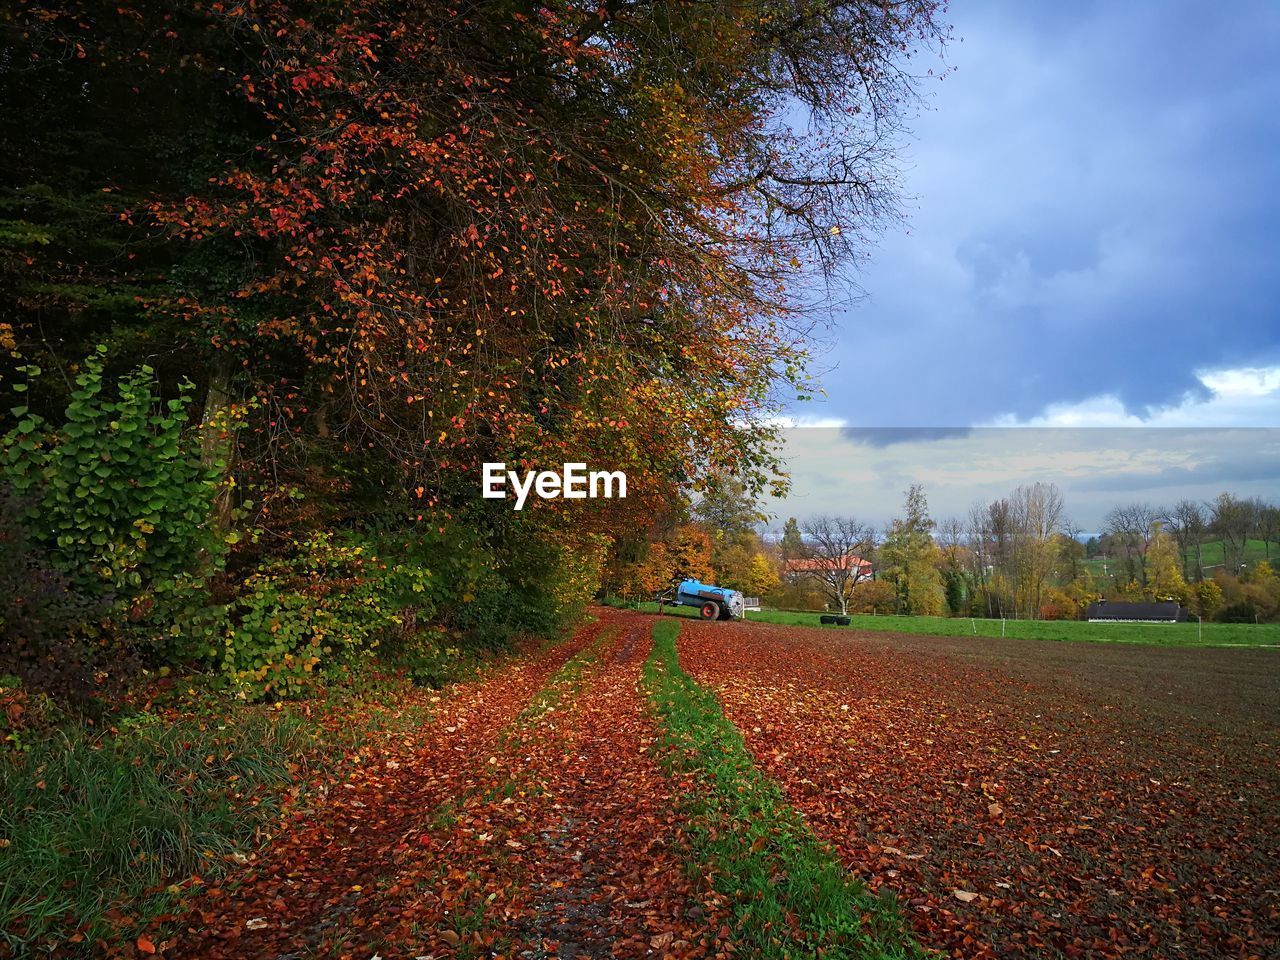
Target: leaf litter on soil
x,y
1015,818
527,820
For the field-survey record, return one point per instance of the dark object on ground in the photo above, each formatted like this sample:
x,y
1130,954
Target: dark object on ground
x,y
1160,612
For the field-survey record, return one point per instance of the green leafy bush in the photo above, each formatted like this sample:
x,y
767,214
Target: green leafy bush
x,y
117,494
320,607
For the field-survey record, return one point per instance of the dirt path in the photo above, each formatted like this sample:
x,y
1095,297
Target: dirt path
x,y
607,879
304,896
1080,809
527,821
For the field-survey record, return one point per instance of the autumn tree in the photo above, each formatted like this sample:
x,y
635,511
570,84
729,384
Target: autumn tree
x,y
874,597
761,578
1037,511
908,558
1164,569
1188,525
389,242
838,556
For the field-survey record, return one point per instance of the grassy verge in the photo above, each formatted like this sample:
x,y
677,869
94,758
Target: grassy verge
x,y
104,830
791,897
1155,634
92,823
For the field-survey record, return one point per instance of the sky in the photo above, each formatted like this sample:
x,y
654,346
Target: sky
x,y
1093,223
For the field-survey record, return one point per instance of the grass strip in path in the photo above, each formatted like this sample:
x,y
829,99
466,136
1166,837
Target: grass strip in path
x,y
791,896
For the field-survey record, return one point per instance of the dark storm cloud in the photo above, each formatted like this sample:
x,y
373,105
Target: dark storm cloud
x,y
1094,211
888,436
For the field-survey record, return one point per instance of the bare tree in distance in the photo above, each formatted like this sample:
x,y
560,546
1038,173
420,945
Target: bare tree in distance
x,y
1187,523
1073,532
1129,526
1268,527
835,545
1233,519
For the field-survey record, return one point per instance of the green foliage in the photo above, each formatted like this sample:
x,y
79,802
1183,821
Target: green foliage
x,y
92,821
908,558
790,895
323,605
118,494
529,585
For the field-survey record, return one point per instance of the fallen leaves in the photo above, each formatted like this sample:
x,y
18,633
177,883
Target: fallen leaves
x,y
1040,818
529,815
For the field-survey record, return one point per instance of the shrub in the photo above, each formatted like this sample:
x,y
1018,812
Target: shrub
x,y
45,624
1057,605
874,596
118,496
319,607
1242,611
1207,598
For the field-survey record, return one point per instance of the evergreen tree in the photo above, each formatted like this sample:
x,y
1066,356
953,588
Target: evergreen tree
x,y
909,557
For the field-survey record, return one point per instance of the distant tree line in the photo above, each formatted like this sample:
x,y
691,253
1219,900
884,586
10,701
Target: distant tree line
x,y
1019,556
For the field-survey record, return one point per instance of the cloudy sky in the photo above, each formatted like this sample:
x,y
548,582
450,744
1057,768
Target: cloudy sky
x,y
1094,221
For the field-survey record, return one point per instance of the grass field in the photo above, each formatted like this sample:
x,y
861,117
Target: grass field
x,y
1160,634
1210,556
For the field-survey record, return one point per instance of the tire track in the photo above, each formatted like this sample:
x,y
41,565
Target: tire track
x,y
309,891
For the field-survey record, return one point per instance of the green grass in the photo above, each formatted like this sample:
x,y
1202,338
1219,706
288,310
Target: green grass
x,y
101,830
789,894
567,681
1211,555
1157,634
94,822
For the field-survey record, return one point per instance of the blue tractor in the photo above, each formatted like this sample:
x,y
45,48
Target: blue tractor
x,y
713,603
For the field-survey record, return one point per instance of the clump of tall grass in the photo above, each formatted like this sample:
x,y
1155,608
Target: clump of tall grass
x,y
96,824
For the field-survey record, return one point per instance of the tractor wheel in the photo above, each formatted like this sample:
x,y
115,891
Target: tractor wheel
x,y
711,610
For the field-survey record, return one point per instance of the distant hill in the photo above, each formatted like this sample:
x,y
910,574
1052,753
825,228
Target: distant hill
x,y
1210,553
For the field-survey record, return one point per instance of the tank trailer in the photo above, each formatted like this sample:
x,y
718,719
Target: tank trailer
x,y
713,603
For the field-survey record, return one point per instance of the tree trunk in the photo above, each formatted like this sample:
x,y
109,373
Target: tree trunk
x,y
217,444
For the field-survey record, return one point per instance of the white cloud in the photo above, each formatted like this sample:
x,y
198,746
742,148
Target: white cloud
x,y
1245,382
1238,397
792,422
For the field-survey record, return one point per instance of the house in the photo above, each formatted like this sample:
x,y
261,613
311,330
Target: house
x,y
859,569
1122,611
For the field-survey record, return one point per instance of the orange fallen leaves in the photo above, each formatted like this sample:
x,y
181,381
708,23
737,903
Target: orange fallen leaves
x,y
544,826
1036,819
